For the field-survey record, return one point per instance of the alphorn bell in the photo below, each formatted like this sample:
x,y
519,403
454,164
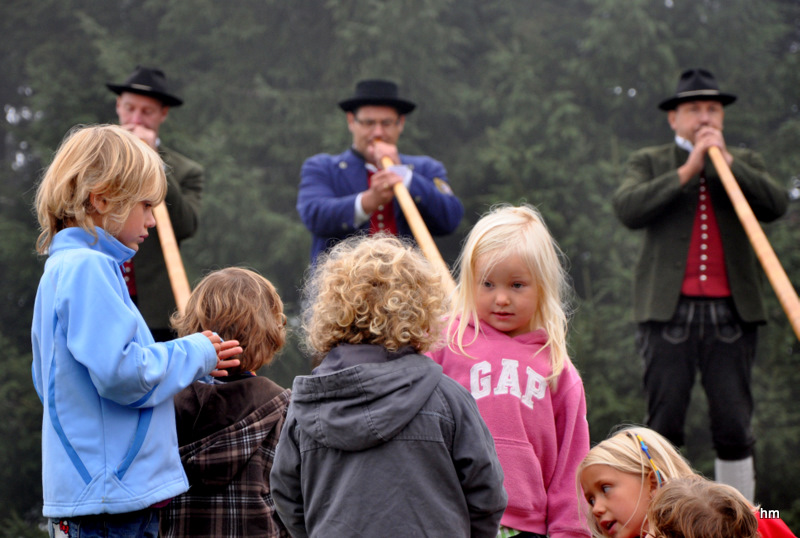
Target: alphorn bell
x,y
172,257
420,230
766,255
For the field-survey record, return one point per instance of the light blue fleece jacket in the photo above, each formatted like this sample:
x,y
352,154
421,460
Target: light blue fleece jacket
x,y
109,443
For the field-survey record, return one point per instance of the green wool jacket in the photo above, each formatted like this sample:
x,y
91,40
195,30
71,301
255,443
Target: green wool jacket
x,y
651,198
184,192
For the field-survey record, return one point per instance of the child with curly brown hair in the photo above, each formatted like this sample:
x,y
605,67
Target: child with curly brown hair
x,y
377,441
693,507
228,429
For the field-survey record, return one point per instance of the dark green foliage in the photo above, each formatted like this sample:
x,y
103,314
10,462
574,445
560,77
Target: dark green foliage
x,y
20,431
537,102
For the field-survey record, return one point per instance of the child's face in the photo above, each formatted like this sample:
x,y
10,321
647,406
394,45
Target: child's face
x,y
507,297
134,231
619,500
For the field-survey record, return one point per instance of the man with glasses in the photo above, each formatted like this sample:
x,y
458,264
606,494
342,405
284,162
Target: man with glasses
x,y
352,193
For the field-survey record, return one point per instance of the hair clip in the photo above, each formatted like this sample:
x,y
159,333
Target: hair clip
x,y
642,444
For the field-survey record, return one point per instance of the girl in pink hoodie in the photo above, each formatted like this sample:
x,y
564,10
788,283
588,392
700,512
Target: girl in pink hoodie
x,y
507,346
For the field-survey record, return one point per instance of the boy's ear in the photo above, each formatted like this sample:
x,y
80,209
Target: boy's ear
x,y
99,203
652,482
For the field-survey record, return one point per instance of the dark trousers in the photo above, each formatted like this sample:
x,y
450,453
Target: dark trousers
x,y
704,335
140,524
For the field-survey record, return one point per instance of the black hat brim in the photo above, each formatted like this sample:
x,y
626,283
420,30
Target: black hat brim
x,y
401,105
165,98
671,104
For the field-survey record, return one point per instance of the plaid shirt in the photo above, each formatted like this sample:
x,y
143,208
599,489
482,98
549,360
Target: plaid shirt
x,y
229,468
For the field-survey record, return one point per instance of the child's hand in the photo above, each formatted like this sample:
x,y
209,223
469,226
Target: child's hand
x,y
225,350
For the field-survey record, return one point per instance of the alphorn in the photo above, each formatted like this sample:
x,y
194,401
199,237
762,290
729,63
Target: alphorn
x,y
172,257
420,231
766,255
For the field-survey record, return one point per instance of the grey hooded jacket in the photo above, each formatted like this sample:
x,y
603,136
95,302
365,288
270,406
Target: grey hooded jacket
x,y
383,444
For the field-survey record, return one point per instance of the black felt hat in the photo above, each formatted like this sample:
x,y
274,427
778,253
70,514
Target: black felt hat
x,y
696,85
147,81
377,92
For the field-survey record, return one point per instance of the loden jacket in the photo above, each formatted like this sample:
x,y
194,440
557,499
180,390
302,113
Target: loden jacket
x,y
651,198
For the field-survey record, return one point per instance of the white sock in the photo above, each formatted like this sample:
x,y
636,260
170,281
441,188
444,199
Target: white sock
x,y
740,474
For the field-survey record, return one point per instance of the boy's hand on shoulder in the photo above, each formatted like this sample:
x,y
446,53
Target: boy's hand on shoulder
x,y
225,350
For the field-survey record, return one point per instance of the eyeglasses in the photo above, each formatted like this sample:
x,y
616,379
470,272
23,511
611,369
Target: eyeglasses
x,y
370,124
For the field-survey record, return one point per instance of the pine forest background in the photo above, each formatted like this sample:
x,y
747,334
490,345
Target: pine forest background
x,y
524,101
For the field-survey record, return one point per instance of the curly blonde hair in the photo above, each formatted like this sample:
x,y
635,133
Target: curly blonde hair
x,y
237,304
104,160
694,507
373,290
506,231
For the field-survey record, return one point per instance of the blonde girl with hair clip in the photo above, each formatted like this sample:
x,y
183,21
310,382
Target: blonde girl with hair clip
x,y
506,343
109,447
377,441
621,475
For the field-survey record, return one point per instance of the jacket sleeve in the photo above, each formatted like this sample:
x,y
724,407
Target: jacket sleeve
x,y
101,334
650,184
767,199
477,464
647,189
284,480
430,189
185,180
569,407
325,200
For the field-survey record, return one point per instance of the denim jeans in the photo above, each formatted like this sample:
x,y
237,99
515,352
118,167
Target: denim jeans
x,y
705,335
141,524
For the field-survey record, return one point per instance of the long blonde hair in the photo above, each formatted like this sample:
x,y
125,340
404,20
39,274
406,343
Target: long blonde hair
x,y
104,160
623,452
505,231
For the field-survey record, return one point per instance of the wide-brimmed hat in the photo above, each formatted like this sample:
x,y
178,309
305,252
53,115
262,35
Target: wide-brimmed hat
x,y
147,81
696,85
377,92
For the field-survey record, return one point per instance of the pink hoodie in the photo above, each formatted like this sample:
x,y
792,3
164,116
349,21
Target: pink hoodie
x,y
541,435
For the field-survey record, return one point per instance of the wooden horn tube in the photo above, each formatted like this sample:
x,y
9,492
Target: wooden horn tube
x,y
766,255
420,231
172,257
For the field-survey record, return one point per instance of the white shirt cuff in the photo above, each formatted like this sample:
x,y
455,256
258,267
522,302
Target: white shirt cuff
x,y
359,215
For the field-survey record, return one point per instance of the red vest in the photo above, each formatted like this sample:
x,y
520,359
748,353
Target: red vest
x,y
705,274
130,277
382,220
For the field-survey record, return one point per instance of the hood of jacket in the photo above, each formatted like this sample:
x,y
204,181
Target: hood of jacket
x,y
363,395
222,426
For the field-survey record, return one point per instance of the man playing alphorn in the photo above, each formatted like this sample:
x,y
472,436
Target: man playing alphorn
x,y
697,286
350,193
143,103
